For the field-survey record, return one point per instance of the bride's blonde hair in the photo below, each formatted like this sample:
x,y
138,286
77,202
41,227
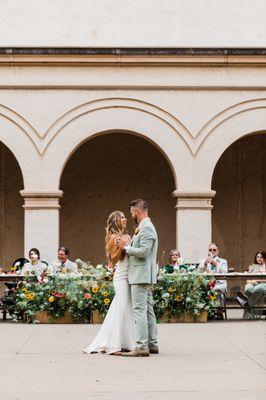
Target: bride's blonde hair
x,y
113,227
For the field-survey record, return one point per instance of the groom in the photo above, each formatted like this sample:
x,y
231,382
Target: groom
x,y
142,252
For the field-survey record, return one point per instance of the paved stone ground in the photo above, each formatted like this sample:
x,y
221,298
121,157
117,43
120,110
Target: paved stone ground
x,y
223,360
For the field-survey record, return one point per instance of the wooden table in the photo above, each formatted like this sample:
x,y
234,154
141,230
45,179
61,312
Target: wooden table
x,y
239,275
11,277
226,276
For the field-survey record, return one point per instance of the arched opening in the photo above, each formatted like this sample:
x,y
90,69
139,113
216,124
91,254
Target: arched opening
x,y
11,214
239,213
105,174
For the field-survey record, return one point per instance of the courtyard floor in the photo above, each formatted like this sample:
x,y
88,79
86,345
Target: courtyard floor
x,y
216,360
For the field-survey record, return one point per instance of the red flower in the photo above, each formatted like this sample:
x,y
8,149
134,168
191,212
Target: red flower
x,y
87,296
57,294
211,284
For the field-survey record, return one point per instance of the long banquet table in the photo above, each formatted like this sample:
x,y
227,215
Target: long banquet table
x,y
227,276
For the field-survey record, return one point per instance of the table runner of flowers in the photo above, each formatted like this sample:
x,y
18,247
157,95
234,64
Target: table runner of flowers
x,y
92,289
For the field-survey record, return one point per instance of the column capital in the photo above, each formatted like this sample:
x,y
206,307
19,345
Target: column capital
x,y
41,200
196,200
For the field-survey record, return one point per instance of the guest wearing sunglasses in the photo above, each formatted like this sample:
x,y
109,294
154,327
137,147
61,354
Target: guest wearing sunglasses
x,y
215,264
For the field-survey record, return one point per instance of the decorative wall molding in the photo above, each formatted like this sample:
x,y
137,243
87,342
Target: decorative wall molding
x,y
41,200
197,200
47,56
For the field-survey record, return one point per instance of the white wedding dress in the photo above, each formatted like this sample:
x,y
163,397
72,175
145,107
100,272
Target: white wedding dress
x,y
117,330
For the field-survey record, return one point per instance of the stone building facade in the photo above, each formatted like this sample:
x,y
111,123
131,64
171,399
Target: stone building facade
x,y
84,131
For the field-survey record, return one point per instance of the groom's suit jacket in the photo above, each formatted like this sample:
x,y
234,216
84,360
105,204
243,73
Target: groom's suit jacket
x,y
142,255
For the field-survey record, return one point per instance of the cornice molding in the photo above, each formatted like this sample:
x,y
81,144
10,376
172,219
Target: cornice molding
x,y
194,200
56,56
42,194
193,194
41,200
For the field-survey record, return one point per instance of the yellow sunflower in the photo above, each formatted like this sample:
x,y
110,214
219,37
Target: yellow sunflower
x,y
171,289
32,296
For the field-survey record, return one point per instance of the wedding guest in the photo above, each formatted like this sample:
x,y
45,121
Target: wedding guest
x,y
255,290
35,266
175,263
63,264
215,264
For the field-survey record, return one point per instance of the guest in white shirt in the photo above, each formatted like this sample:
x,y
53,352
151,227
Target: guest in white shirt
x,y
35,266
63,264
215,264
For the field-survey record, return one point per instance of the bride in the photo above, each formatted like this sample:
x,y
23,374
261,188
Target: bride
x,y
117,331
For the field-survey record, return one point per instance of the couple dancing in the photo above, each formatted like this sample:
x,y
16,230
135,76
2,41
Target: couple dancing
x,y
129,328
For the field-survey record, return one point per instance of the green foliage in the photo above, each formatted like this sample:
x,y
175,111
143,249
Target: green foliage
x,y
177,293
61,293
174,294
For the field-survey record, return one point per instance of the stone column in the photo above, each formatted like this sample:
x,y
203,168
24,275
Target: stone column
x,y
193,223
41,227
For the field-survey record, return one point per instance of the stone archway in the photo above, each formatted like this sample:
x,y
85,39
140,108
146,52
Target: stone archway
x,y
11,211
104,174
239,213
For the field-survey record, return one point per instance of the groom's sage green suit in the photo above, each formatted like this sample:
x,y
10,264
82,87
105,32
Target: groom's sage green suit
x,y
141,276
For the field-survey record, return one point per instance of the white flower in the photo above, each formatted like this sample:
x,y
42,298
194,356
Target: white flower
x,y
165,295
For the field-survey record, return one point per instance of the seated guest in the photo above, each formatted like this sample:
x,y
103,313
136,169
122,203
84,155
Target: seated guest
x,y
215,264
35,266
175,263
255,290
63,264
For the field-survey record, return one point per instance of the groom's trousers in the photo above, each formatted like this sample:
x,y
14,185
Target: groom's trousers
x,y
145,321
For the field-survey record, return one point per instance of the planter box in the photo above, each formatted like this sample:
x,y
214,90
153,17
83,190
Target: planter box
x,y
185,318
44,318
97,318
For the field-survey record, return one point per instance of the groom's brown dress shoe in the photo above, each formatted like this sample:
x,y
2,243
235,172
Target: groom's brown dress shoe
x,y
137,353
154,349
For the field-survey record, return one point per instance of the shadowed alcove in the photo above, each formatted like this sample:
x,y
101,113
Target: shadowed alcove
x,y
105,174
11,211
239,213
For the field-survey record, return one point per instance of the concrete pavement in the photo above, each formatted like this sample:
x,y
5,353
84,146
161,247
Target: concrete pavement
x,y
223,360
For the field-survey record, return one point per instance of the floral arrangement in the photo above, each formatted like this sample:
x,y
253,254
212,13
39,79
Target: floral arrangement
x,y
92,289
178,293
64,293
